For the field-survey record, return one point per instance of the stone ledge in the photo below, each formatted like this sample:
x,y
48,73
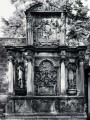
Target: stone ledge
x,y
45,117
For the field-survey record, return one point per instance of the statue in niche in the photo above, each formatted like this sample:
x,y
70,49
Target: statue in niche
x,y
72,76
20,76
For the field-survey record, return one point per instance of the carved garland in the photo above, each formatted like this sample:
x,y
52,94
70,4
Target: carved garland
x,y
45,78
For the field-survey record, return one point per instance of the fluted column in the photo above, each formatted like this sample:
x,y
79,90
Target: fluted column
x,y
82,76
10,75
29,77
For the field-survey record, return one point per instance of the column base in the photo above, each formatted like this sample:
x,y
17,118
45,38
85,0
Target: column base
x,y
11,94
30,94
71,91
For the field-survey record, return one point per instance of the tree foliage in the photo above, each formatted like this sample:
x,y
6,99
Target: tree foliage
x,y
78,21
15,26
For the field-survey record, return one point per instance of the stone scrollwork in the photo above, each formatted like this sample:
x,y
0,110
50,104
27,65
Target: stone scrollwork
x,y
47,31
48,6
46,76
23,106
72,106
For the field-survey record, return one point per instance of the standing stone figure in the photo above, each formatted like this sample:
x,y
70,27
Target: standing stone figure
x,y
20,76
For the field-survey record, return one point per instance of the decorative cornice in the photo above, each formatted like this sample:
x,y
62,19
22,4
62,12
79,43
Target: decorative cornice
x,y
47,6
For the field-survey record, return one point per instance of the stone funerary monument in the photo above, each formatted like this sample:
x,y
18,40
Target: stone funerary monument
x,y
46,76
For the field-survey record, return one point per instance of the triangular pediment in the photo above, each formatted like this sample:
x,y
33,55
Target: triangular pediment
x,y
47,6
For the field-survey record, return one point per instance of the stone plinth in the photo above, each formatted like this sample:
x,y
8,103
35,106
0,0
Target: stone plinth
x,y
42,107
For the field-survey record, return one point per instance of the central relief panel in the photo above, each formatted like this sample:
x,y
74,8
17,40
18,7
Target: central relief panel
x,y
47,30
45,78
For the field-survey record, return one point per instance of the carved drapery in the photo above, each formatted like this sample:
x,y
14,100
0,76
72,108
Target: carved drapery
x,y
45,78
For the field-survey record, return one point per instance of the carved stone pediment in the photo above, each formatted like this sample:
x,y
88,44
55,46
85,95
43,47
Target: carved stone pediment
x,y
47,6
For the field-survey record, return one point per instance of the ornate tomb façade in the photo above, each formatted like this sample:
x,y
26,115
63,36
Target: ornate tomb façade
x,y
46,76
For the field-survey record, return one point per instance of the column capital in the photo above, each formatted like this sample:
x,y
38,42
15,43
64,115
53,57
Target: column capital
x,y
81,55
28,58
10,58
63,55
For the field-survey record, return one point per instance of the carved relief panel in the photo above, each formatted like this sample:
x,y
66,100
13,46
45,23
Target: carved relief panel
x,y
47,30
45,78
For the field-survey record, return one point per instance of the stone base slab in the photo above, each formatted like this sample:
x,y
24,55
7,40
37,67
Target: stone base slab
x,y
44,117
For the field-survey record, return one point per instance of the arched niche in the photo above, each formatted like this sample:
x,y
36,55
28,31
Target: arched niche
x,y
72,90
20,82
45,78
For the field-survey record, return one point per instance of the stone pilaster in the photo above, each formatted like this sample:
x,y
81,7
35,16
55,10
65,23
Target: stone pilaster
x,y
63,72
81,71
89,93
81,76
29,30
29,76
10,75
63,81
62,40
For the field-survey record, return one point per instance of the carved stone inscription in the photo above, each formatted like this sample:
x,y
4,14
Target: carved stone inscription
x,y
47,30
45,78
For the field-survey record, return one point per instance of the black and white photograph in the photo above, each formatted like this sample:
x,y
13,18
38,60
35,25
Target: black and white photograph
x,y
44,59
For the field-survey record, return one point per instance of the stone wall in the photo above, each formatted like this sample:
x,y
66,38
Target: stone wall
x,y
4,67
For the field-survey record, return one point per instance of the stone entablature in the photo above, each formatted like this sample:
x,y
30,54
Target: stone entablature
x,y
12,41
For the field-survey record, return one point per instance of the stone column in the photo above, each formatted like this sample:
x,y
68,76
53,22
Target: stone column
x,y
29,30
59,81
89,93
62,40
10,75
63,72
63,81
29,77
82,76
